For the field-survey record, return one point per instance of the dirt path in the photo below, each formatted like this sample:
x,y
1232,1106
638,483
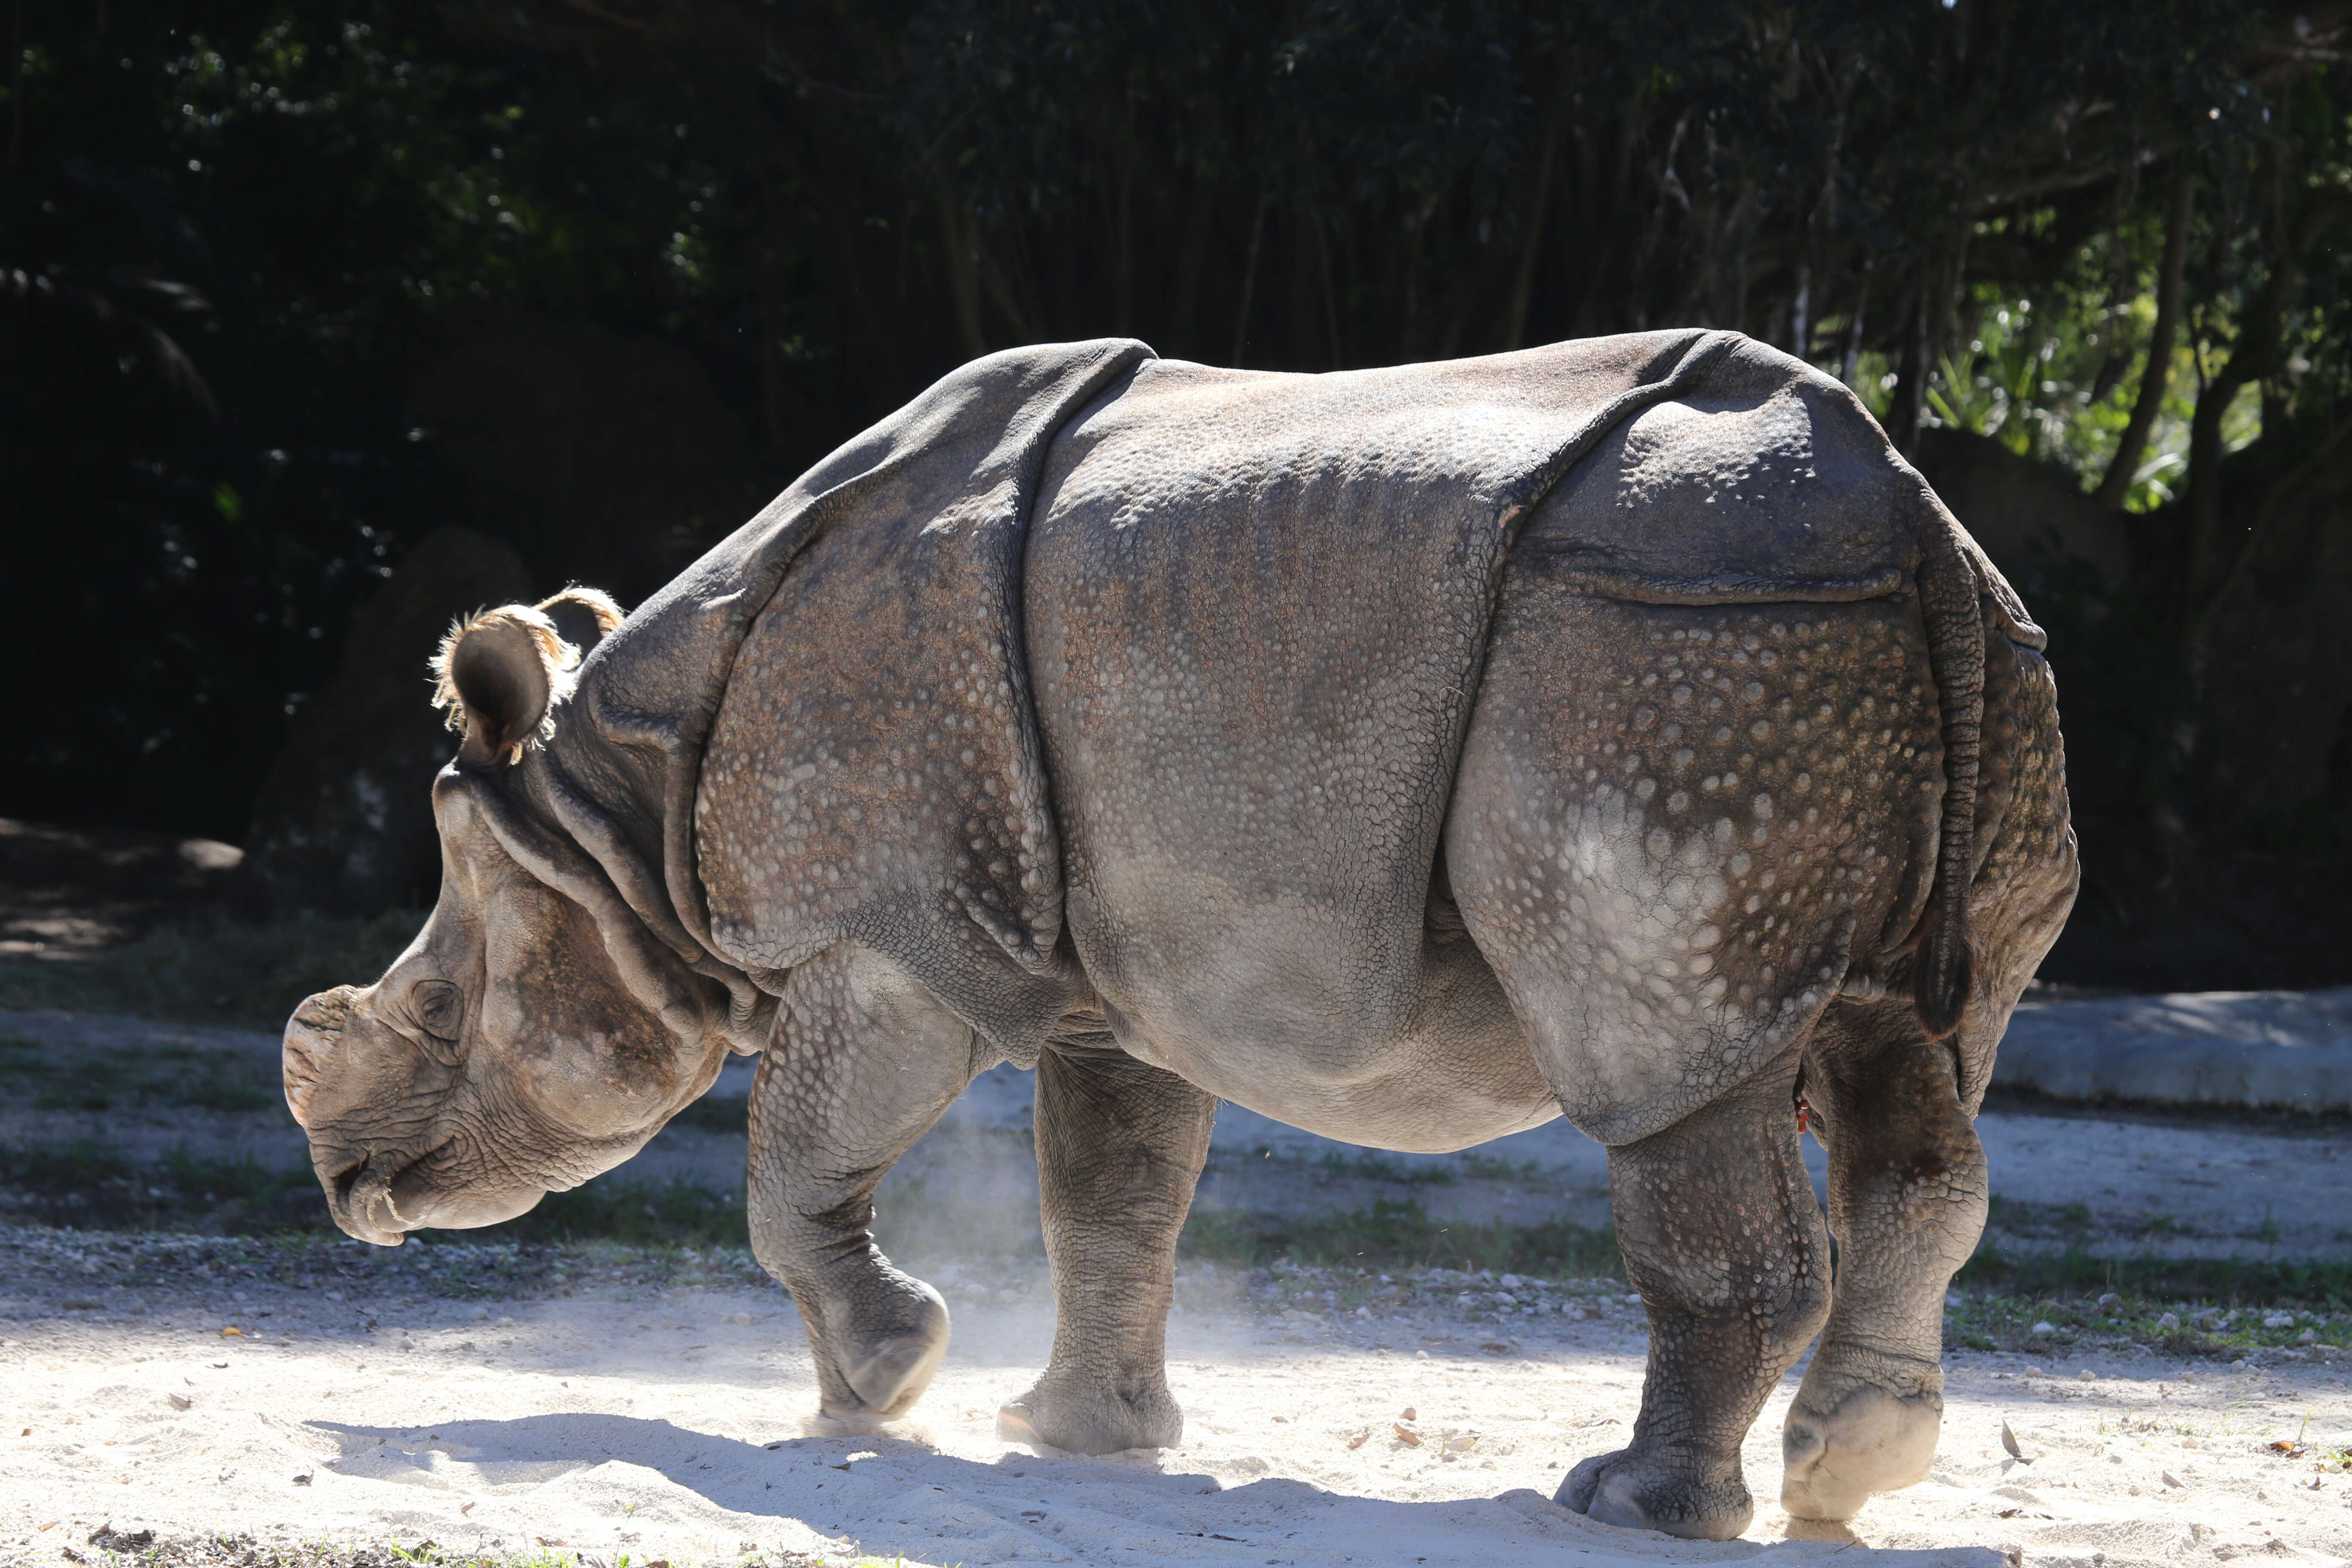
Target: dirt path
x,y
610,1418
495,1398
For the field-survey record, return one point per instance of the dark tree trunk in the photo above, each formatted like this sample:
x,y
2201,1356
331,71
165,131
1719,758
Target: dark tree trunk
x,y
2118,482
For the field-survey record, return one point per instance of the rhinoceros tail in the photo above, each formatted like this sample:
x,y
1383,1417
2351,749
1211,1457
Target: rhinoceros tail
x,y
1942,965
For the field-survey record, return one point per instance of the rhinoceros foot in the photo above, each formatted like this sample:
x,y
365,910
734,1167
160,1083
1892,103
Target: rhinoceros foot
x,y
888,1371
1634,1490
1840,1450
1091,1422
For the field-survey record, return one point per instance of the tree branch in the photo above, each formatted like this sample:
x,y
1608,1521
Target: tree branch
x,y
2117,481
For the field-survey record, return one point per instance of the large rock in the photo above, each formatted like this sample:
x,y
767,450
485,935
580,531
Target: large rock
x,y
606,460
2282,1050
2026,514
344,822
2275,722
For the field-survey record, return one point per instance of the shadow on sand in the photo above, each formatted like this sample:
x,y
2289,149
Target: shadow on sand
x,y
893,1497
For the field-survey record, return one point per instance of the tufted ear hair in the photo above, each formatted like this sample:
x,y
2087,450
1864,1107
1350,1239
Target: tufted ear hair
x,y
498,672
582,615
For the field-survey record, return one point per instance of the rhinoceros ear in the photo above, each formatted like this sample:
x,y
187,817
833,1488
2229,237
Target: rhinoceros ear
x,y
582,615
498,673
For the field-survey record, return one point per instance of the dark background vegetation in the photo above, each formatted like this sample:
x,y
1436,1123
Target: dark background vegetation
x,y
310,307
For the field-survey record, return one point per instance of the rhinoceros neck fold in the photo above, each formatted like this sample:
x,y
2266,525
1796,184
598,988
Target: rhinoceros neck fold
x,y
560,832
661,732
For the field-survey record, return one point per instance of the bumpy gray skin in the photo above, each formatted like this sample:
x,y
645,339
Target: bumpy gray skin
x,y
1618,729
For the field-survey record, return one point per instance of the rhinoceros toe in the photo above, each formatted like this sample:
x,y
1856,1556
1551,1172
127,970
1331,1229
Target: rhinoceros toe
x,y
1635,1492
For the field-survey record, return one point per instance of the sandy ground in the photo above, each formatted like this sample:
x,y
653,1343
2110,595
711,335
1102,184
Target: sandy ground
x,y
666,1424
579,1407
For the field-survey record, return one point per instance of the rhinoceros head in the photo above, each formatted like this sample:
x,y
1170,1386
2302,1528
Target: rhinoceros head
x,y
533,1035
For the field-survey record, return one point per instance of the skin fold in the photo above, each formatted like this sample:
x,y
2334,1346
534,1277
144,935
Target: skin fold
x,y
1618,731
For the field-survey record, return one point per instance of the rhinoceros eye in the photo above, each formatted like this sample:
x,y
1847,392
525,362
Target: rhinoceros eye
x,y
440,1008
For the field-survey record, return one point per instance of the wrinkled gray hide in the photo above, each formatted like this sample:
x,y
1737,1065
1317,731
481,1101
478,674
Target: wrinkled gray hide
x,y
1617,728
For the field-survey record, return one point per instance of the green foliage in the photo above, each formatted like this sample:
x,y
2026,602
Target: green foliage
x,y
252,224
236,228
2057,382
235,238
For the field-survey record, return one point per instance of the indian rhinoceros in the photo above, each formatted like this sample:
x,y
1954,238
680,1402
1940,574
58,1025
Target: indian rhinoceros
x,y
1618,729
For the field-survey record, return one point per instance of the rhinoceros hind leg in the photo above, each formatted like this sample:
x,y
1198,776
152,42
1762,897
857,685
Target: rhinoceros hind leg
x,y
1119,1147
1907,1199
1721,1235
864,1062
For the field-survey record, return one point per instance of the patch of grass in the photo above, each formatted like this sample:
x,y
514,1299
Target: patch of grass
x,y
720,1113
1487,1168
91,1186
426,1552
216,970
1401,1235
120,1078
2038,1220
2214,1309
1365,1165
634,1214
2232,1281
2064,1283
2163,1224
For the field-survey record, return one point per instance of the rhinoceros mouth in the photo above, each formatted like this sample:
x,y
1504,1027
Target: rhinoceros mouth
x,y
384,1197
362,1201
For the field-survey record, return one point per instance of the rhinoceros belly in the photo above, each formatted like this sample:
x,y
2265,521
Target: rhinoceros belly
x,y
1256,1010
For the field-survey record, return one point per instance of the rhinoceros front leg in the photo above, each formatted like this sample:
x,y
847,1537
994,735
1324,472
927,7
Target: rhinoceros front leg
x,y
864,1061
1907,1195
1721,1235
1119,1148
